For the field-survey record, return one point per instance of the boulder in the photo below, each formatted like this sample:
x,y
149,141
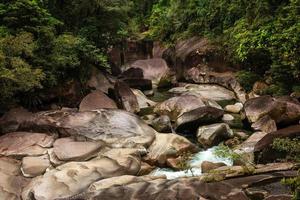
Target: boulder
x,y
265,124
143,101
11,181
35,166
96,100
246,149
259,87
20,144
99,81
168,146
236,108
193,119
123,188
117,128
162,124
227,80
176,106
284,110
264,142
213,134
11,120
145,169
67,149
206,166
126,98
72,178
207,91
155,70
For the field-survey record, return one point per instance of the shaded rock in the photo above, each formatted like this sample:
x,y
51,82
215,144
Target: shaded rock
x,y
193,119
227,80
162,124
35,166
155,70
11,181
167,146
246,149
265,124
138,83
117,128
213,134
126,98
256,108
99,81
21,144
233,120
11,120
143,101
279,197
206,166
176,106
72,178
259,87
242,135
264,142
96,100
284,110
66,149
145,169
236,108
213,92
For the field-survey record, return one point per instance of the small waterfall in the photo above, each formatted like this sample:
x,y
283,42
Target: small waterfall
x,y
195,163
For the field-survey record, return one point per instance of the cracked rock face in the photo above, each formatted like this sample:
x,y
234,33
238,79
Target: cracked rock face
x,y
22,144
72,178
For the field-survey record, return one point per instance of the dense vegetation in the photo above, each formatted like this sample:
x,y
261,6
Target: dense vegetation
x,y
262,36
45,43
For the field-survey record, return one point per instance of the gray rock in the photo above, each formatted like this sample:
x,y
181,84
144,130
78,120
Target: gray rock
x,y
211,135
162,124
193,119
66,149
96,100
35,166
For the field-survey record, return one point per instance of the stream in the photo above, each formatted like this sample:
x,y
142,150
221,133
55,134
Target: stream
x,y
195,164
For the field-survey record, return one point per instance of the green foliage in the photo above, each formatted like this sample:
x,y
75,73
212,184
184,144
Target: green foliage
x,y
294,184
247,79
36,52
16,73
263,36
289,146
223,151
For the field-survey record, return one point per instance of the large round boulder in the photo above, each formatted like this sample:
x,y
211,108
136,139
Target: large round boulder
x,y
284,110
155,70
115,127
96,100
168,146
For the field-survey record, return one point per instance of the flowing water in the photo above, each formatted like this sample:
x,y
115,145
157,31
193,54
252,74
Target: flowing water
x,y
195,165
